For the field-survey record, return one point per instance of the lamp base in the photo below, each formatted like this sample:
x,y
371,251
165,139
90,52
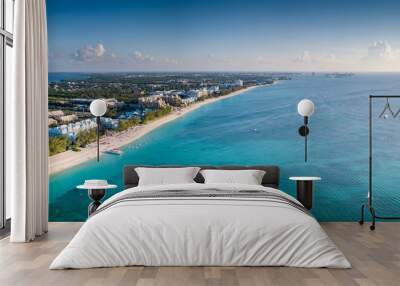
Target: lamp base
x,y
304,130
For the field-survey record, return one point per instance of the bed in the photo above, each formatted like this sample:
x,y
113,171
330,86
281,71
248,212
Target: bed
x,y
199,224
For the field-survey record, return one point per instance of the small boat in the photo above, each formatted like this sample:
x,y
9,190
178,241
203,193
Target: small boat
x,y
114,151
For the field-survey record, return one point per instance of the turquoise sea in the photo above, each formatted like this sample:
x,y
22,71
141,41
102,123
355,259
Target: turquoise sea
x,y
55,77
260,127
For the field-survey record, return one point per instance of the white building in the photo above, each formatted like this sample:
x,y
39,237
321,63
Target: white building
x,y
188,100
51,121
113,103
238,82
68,118
202,92
194,93
56,114
213,89
109,123
152,101
72,129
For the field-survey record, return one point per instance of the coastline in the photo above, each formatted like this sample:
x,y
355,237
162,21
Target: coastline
x,y
69,159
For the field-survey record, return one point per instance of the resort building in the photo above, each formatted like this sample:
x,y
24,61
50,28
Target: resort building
x,y
238,82
152,101
56,114
173,100
130,114
191,94
52,122
72,129
213,89
189,100
68,118
109,123
113,103
202,92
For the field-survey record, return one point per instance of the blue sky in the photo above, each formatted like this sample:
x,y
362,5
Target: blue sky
x,y
130,35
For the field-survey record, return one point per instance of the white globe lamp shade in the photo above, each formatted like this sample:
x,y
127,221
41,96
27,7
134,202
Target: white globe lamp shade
x,y
305,107
98,107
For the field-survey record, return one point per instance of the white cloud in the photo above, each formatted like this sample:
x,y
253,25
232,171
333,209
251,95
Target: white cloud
x,y
172,61
309,59
100,50
382,51
304,58
90,53
139,56
260,60
218,60
331,58
381,56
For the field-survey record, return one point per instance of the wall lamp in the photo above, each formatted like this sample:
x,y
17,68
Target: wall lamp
x,y
305,108
98,108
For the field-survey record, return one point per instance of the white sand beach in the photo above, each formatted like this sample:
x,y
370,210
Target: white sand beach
x,y
68,159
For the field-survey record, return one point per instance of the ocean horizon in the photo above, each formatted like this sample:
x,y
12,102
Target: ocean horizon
x,y
260,127
54,77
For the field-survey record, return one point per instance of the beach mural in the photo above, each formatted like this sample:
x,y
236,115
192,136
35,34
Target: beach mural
x,y
199,90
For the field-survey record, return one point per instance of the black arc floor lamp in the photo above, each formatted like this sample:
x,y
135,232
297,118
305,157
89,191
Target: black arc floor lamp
x,y
98,108
305,108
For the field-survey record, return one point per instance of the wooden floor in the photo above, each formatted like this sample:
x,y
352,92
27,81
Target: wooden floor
x,y
375,257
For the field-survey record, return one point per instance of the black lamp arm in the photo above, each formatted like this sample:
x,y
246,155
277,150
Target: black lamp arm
x,y
98,137
304,131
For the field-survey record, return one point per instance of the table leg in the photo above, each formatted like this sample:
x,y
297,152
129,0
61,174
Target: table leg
x,y
305,193
95,195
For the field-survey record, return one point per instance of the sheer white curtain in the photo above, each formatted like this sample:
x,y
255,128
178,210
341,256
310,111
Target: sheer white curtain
x,y
27,146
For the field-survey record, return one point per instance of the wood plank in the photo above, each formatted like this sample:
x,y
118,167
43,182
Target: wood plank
x,y
375,257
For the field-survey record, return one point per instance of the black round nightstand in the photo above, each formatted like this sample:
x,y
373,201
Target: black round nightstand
x,y
305,187
95,193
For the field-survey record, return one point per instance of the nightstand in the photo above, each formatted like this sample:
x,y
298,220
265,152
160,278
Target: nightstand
x,y
96,190
305,187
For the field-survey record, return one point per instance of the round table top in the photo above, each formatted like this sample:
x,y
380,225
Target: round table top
x,y
305,178
86,187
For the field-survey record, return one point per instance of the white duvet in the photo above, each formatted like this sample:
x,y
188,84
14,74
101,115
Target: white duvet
x,y
199,231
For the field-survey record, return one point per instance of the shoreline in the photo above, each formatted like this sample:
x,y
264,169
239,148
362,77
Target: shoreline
x,y
68,159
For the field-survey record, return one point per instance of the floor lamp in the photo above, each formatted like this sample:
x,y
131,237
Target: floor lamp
x,y
98,108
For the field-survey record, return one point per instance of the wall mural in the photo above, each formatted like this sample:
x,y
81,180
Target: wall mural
x,y
189,83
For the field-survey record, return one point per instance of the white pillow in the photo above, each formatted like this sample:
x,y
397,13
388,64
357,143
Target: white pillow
x,y
248,177
166,176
